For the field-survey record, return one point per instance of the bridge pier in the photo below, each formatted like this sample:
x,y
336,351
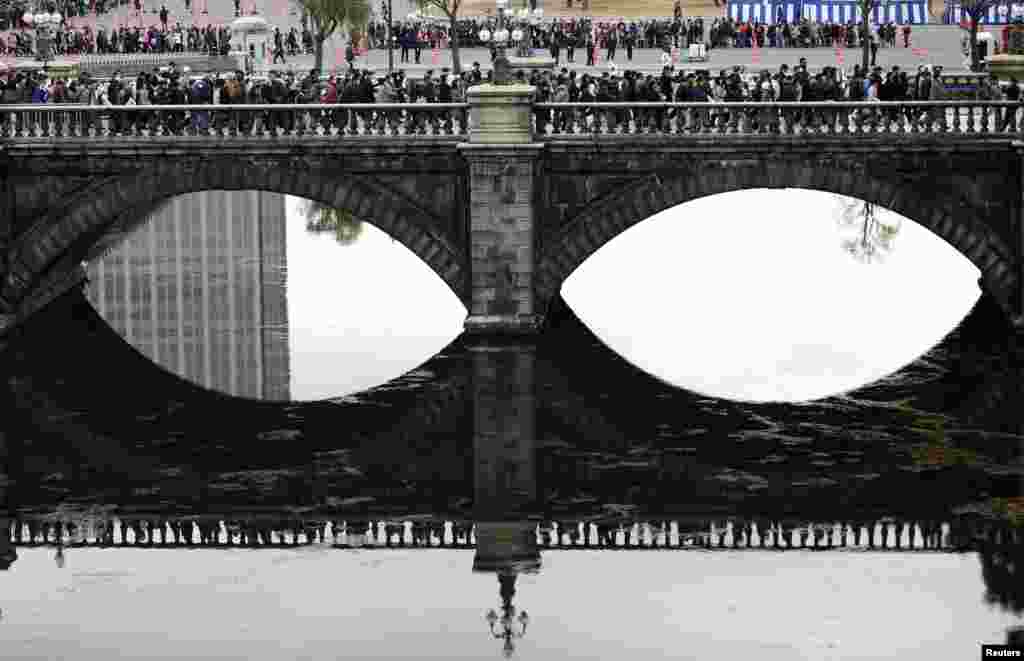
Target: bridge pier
x,y
503,166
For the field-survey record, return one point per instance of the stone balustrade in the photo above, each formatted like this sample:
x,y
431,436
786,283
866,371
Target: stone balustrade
x,y
32,122
556,121
885,535
551,121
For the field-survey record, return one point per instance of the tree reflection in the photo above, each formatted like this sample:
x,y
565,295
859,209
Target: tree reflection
x,y
866,237
321,219
1000,567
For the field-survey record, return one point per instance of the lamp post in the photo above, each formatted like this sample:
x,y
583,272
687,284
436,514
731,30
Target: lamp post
x,y
535,20
386,9
523,35
45,25
500,39
517,37
508,618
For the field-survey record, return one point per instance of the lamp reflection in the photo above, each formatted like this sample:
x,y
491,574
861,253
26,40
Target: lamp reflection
x,y
508,633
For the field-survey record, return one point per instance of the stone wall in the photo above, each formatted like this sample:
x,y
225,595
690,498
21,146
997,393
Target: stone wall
x,y
502,237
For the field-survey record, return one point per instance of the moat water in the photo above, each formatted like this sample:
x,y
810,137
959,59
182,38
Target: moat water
x,y
562,430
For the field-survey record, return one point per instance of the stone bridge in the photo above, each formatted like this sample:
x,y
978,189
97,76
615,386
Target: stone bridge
x,y
501,197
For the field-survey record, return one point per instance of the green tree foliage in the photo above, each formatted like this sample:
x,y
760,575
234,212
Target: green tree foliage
x,y
976,10
449,8
866,237
328,16
322,219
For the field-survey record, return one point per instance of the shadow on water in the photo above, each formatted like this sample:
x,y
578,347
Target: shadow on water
x,y
943,432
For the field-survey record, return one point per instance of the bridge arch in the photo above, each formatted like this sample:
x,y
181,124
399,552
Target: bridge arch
x,y
606,217
78,226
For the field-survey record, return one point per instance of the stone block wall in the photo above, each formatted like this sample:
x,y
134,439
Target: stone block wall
x,y
501,192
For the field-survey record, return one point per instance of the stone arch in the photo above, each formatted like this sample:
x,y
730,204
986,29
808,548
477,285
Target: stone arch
x,y
76,226
608,216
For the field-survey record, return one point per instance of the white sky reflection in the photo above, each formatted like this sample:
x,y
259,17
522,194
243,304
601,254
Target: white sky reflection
x,y
762,303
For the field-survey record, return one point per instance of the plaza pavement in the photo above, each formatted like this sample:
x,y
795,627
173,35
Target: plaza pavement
x,y
930,44
944,52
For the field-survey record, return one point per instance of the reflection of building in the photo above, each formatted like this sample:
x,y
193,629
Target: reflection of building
x,y
200,290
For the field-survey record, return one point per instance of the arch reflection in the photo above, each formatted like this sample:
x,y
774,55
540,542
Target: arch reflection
x,y
772,305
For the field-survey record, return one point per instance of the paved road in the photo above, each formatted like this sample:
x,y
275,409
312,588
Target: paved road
x,y
649,60
645,60
932,45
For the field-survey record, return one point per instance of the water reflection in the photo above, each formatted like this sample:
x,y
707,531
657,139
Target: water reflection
x,y
749,295
264,296
200,290
547,460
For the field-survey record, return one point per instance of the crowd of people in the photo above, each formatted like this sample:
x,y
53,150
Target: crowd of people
x,y
805,33
796,84
411,38
129,40
169,86
11,18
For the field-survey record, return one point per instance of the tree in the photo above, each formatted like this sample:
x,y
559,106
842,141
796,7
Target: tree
x,y
867,9
976,10
450,8
327,16
868,238
321,219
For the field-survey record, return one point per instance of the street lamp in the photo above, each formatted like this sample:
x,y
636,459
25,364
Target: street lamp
x,y
500,65
518,33
45,25
535,20
508,618
524,35
386,9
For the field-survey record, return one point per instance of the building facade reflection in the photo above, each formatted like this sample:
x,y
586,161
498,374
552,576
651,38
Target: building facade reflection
x,y
200,290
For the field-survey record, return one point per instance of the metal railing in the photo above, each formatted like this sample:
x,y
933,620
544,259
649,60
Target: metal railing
x,y
39,121
184,58
563,120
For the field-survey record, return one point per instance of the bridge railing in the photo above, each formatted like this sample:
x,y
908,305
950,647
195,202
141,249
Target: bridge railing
x,y
555,121
886,535
551,121
37,121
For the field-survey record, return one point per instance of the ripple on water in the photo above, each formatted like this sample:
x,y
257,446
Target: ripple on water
x,y
277,435
816,482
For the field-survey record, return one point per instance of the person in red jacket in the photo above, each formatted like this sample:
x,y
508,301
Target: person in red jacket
x,y
330,95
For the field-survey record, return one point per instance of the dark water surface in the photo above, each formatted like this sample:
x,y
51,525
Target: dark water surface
x,y
199,525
